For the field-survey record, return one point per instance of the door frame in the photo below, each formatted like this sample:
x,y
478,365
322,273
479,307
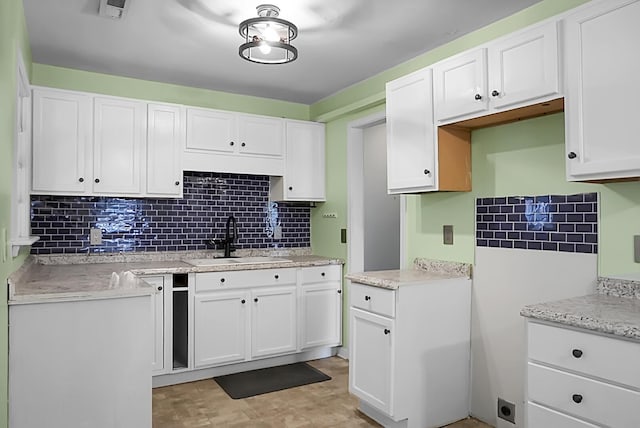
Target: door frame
x,y
355,190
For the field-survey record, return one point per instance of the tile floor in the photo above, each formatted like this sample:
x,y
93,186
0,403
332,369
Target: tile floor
x,y
326,404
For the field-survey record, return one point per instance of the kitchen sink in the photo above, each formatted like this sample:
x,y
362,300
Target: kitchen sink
x,y
236,260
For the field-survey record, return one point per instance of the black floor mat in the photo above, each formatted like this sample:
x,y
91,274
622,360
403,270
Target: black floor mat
x,y
261,381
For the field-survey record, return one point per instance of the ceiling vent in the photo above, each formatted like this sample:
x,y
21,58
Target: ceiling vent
x,y
114,9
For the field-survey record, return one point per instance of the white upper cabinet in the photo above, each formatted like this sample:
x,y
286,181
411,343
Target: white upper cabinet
x,y
119,143
421,158
524,67
84,144
460,85
304,175
262,136
601,101
165,135
411,137
220,141
514,71
62,126
211,130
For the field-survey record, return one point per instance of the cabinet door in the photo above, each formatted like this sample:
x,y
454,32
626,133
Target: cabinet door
x,y
370,361
524,67
601,100
118,146
157,321
165,134
211,131
220,327
305,161
273,321
460,85
61,141
261,135
411,145
321,314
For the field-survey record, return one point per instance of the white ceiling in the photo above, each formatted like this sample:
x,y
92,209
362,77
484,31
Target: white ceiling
x,y
195,42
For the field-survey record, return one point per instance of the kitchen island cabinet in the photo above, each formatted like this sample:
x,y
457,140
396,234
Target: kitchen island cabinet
x,y
409,346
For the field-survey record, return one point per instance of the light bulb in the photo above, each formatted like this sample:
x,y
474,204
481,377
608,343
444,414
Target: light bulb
x,y
270,34
265,48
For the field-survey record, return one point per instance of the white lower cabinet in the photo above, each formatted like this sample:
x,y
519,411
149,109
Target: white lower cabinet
x,y
321,307
405,344
571,381
157,322
273,321
240,316
221,327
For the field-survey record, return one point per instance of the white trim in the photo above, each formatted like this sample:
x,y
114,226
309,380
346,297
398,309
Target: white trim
x,y
343,352
355,203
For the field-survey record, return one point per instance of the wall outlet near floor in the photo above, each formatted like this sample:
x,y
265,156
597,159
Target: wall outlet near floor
x,y
95,236
330,215
506,410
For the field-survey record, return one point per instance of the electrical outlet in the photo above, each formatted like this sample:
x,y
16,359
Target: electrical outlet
x,y
506,410
95,236
330,215
447,234
277,233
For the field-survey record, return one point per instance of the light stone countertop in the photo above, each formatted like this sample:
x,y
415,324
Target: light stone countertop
x,y
64,280
424,270
614,310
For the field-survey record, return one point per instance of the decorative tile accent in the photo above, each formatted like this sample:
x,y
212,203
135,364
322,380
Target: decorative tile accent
x,y
129,224
548,223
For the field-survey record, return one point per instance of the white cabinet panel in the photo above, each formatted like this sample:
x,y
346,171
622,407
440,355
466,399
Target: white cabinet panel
x,y
118,146
220,327
601,109
524,67
304,175
322,312
460,85
262,136
211,130
370,365
273,321
62,125
157,321
411,137
165,135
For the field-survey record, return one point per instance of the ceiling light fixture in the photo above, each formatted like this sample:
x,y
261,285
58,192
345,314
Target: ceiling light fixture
x,y
267,38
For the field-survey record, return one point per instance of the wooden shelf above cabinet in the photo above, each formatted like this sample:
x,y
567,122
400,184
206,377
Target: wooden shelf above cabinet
x,y
515,115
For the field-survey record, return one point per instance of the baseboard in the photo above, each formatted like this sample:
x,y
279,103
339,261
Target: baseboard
x,y
191,375
343,352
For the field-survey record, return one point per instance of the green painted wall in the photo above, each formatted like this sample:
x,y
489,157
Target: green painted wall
x,y
13,36
67,78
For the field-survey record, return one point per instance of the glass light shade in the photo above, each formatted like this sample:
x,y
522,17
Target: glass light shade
x,y
267,40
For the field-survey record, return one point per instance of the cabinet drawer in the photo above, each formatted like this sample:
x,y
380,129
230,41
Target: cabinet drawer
x,y
586,353
590,399
211,281
374,299
542,417
321,274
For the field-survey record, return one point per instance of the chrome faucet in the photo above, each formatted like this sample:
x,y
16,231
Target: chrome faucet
x,y
230,236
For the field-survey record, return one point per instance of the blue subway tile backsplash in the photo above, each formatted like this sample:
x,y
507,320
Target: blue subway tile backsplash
x,y
130,224
566,223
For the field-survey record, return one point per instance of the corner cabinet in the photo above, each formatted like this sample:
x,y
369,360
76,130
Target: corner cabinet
x,y
88,145
304,173
222,141
404,344
421,158
514,71
602,91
